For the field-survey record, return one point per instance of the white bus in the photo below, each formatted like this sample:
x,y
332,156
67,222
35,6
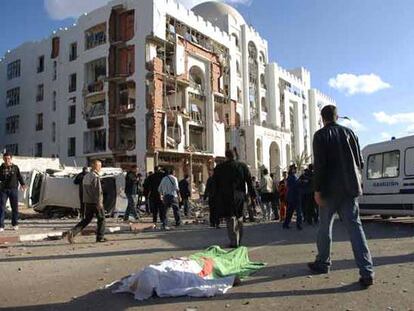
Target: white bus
x,y
388,178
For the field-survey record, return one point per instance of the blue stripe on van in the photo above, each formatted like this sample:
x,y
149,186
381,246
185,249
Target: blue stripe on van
x,y
405,207
407,191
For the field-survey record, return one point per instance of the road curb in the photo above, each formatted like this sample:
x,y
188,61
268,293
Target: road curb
x,y
57,235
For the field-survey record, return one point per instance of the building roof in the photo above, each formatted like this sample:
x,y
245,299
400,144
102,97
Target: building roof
x,y
217,12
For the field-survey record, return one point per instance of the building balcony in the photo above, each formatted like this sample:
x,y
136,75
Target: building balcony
x,y
95,110
93,88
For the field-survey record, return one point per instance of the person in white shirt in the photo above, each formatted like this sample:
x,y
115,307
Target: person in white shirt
x,y
266,194
170,194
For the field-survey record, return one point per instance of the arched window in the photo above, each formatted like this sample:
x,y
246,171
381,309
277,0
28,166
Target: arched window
x,y
264,105
238,68
235,39
262,81
259,152
262,57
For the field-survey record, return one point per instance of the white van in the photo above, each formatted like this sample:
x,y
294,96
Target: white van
x,y
388,178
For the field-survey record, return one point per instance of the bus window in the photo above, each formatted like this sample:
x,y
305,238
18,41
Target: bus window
x,y
409,162
391,164
375,166
384,165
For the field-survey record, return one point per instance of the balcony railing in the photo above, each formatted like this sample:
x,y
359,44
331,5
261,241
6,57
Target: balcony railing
x,y
266,125
94,87
95,110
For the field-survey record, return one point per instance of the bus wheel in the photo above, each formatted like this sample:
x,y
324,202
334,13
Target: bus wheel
x,y
385,217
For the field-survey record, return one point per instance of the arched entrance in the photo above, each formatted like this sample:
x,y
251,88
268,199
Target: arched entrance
x,y
259,153
274,153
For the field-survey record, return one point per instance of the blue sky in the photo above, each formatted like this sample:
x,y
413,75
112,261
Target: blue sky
x,y
360,52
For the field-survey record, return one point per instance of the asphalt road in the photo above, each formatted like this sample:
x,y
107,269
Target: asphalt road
x,y
54,275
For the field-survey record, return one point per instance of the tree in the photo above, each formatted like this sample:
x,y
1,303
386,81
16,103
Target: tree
x,y
301,160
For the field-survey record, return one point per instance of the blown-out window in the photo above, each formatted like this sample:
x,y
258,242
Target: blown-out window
x,y
384,165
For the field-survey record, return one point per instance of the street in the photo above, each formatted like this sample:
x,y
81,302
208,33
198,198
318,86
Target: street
x,y
54,275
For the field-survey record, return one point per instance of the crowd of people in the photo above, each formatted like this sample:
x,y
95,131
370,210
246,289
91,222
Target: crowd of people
x,y
330,187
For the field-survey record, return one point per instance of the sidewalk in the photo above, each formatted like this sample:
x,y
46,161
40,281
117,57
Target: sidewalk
x,y
40,230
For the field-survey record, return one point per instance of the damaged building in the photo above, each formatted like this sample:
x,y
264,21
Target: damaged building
x,y
151,82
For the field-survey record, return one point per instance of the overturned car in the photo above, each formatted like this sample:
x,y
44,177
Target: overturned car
x,y
54,193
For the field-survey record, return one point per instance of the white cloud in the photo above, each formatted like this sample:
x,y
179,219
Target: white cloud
x,y
191,3
392,119
353,124
385,135
62,9
353,84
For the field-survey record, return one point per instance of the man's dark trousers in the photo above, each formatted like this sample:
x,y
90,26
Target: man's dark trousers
x,y
92,210
170,201
292,207
12,195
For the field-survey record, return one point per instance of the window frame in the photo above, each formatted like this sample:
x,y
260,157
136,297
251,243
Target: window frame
x,y
405,161
382,164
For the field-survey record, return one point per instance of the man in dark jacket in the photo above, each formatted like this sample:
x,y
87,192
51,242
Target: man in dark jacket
x,y
79,181
131,191
10,178
185,193
337,182
230,180
293,199
209,195
151,192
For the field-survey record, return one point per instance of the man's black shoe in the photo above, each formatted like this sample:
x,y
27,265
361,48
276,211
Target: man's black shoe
x,y
101,240
366,281
317,268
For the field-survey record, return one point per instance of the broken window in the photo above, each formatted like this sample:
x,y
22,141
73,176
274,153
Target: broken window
x,y
55,47
41,64
39,122
12,124
72,114
73,51
53,132
71,146
13,97
38,150
95,106
94,141
126,134
72,83
54,95
13,70
40,92
54,70
95,36
95,75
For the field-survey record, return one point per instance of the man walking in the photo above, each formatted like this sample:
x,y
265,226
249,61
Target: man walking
x,y
170,193
275,199
151,185
79,181
266,194
337,182
209,195
131,191
10,178
230,180
93,199
185,192
293,199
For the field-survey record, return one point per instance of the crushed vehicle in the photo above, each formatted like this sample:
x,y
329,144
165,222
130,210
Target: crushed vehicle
x,y
53,192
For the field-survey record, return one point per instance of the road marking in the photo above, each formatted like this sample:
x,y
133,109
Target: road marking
x,y
265,245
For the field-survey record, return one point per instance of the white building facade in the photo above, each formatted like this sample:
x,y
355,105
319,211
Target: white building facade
x,y
150,82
